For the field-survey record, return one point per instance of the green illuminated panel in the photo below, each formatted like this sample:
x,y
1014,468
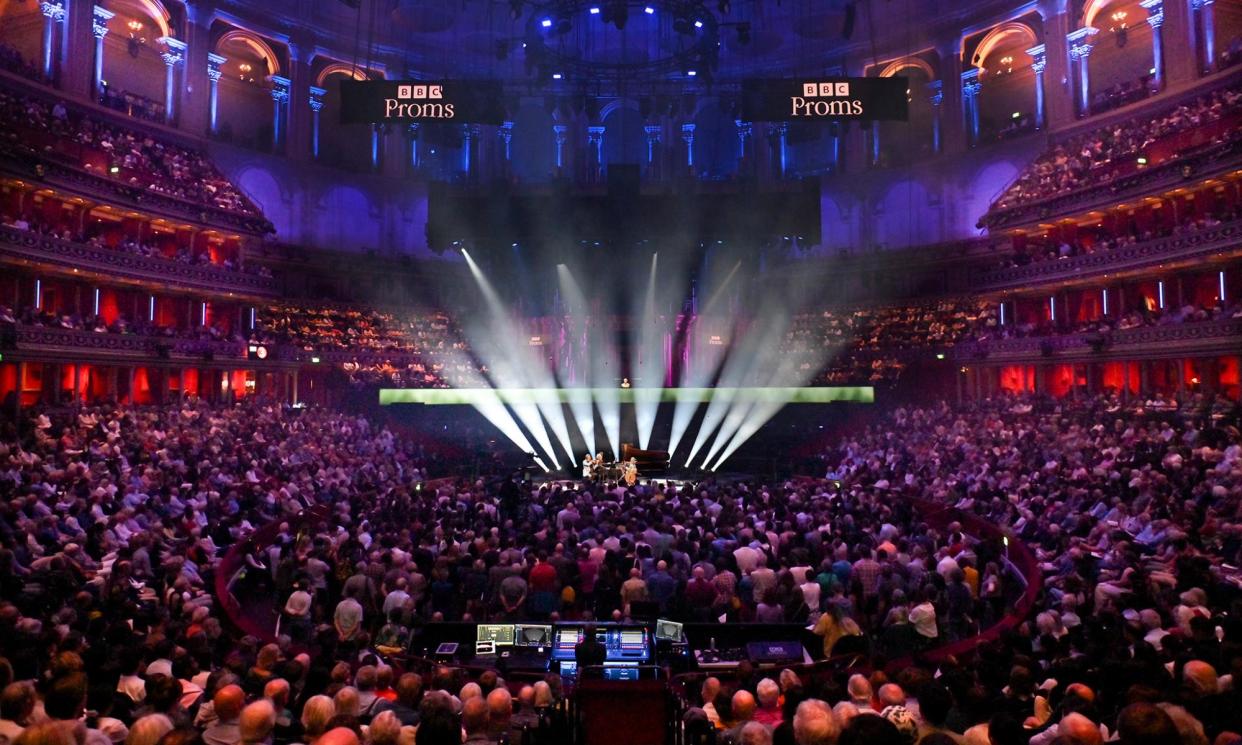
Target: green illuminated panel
x,y
863,394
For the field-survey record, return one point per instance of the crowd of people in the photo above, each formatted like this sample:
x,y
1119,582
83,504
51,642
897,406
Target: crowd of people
x,y
113,521
121,324
1047,247
1087,160
128,155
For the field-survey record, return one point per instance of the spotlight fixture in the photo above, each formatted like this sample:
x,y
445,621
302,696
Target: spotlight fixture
x,y
649,10
135,25
546,23
594,11
698,24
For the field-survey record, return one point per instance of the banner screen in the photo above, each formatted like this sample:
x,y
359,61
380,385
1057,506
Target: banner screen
x,y
825,99
463,101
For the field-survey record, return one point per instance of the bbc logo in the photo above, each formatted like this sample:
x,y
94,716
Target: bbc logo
x,y
825,90
420,91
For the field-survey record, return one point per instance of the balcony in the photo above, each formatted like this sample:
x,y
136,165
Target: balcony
x,y
57,342
1187,247
1206,161
1177,340
42,249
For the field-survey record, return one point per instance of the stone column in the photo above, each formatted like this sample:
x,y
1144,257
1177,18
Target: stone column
x,y
970,104
53,16
1155,19
1039,63
561,132
1178,46
745,157
935,94
314,97
783,132
654,133
173,55
413,132
687,136
100,29
595,139
505,133
952,121
202,70
1081,42
298,111
1207,16
214,61
1058,90
469,134
280,110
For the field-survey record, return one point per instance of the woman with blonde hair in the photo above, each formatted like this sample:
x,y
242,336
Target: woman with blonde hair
x,y
316,714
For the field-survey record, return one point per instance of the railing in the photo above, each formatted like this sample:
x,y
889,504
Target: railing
x,y
234,558
1151,340
1185,247
215,280
52,338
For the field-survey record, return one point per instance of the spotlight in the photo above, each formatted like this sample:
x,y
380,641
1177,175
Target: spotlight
x,y
649,10
557,76
546,23
594,11
692,73
698,24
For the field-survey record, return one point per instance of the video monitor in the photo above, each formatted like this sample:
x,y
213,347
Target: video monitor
x,y
532,635
668,630
568,668
496,633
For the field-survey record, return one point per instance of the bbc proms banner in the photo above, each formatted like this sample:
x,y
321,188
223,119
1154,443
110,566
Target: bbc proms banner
x,y
379,101
825,99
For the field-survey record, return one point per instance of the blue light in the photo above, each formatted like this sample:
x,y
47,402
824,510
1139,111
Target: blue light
x,y
546,23
698,24
649,10
556,76
692,73
594,11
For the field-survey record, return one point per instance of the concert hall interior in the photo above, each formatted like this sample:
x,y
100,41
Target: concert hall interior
x,y
620,372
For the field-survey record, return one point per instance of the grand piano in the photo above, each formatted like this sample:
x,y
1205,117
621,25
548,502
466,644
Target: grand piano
x,y
650,462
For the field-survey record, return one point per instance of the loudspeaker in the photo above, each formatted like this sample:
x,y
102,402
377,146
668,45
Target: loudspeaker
x,y
623,180
847,28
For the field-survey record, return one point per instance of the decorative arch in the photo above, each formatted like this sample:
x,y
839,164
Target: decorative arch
x,y
617,103
153,9
897,65
255,43
1092,10
341,68
1009,31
